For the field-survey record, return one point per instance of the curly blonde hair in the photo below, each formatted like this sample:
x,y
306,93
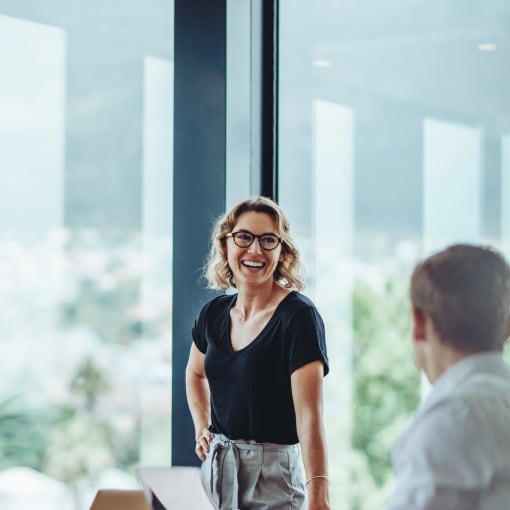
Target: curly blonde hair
x,y
217,272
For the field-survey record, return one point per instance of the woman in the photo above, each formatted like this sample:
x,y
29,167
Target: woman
x,y
255,370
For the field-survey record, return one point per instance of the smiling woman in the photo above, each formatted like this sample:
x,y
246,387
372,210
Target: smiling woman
x,y
218,272
255,370
253,263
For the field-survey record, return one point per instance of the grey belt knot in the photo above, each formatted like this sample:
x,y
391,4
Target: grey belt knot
x,y
226,495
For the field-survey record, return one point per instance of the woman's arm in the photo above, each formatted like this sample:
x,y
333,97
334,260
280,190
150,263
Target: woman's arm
x,y
197,393
307,396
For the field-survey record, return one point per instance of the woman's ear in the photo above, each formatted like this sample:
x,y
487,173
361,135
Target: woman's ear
x,y
419,320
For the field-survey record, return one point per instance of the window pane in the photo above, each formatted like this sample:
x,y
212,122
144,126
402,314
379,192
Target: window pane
x,y
394,142
86,95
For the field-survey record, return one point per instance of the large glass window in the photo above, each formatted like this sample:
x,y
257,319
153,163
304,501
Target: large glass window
x,y
86,100
394,142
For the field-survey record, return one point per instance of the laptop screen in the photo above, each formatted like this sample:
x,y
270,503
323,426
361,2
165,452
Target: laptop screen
x,y
174,488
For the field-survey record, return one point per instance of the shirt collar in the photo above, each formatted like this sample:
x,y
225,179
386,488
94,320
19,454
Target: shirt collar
x,y
490,362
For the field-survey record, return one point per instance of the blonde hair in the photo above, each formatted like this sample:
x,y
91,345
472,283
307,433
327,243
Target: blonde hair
x,y
217,271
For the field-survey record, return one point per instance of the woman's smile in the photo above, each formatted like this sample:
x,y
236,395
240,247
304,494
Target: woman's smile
x,y
253,264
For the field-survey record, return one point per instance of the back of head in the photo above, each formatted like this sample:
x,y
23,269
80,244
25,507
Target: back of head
x,y
465,290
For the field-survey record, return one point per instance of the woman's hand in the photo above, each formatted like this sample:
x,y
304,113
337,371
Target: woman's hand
x,y
202,447
197,393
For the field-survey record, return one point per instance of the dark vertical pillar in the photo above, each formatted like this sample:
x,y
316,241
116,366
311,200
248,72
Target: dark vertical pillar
x,y
199,182
269,103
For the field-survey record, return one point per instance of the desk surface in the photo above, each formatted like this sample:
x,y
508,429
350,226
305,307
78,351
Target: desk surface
x,y
119,500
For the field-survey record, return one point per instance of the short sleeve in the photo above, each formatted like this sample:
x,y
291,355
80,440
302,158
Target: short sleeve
x,y
198,331
306,339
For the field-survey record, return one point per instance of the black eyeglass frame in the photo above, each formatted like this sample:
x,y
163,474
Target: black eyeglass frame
x,y
255,236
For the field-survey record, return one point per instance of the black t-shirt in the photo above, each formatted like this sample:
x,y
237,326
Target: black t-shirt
x,y
251,395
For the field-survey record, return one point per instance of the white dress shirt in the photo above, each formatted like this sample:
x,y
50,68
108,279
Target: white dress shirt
x,y
456,452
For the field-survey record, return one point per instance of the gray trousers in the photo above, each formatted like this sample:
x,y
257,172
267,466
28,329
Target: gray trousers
x,y
245,475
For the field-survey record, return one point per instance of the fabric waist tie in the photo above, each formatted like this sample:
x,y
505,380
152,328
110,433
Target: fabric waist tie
x,y
224,486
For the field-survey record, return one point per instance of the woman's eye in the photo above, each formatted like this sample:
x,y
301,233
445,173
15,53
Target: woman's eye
x,y
268,240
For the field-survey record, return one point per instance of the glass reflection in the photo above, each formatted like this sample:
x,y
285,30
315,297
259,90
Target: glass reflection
x,y
85,248
393,143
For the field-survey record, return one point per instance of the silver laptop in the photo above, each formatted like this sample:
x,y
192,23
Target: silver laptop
x,y
174,488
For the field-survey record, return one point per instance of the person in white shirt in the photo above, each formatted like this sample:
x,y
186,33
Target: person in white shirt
x,y
456,452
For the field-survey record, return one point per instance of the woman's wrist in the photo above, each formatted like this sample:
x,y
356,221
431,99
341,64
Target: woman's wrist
x,y
317,487
318,478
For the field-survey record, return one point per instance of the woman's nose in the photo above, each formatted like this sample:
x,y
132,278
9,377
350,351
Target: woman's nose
x,y
255,246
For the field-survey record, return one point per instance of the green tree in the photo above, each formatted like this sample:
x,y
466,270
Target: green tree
x,y
90,380
385,378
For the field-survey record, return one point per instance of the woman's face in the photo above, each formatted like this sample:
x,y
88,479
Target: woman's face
x,y
253,265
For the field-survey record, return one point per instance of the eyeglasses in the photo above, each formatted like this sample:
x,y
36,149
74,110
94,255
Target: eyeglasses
x,y
244,239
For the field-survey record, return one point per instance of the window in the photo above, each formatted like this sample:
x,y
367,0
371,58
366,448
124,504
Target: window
x,y
85,247
393,143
